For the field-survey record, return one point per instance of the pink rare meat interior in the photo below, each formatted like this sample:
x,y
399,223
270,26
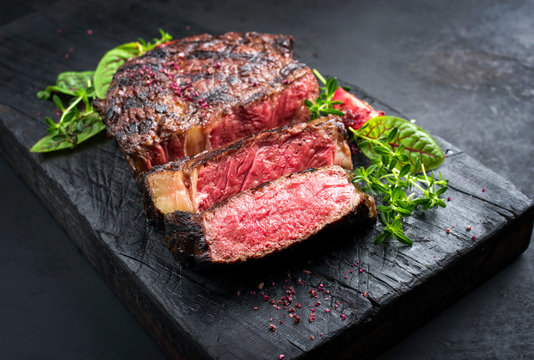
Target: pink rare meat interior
x,y
261,163
283,108
265,221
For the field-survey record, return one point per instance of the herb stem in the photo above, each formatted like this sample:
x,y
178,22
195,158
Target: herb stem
x,y
319,76
69,109
414,183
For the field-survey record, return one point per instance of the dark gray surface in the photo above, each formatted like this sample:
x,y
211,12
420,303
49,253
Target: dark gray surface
x,y
479,98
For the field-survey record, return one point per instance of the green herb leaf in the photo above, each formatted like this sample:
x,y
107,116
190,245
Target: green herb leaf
x,y
418,144
68,83
74,81
393,172
163,39
79,129
110,63
52,143
89,126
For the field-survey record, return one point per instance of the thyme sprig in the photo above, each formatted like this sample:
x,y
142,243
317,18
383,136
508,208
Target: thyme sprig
x,y
390,176
78,121
324,104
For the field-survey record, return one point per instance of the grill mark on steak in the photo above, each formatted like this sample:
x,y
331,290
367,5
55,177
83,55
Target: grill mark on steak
x,y
198,82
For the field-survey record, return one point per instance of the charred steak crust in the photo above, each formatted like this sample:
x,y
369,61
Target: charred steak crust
x,y
186,234
201,92
330,128
185,237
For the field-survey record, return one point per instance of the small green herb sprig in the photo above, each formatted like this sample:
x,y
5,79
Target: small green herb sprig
x,y
79,120
324,104
401,153
74,92
392,174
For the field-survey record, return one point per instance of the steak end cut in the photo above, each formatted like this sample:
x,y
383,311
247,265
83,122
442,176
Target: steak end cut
x,y
202,92
270,217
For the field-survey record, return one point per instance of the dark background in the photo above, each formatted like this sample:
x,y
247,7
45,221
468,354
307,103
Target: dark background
x,y
464,71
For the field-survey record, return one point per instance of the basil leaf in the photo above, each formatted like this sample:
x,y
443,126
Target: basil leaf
x,y
90,126
76,132
68,83
418,144
110,63
52,143
74,81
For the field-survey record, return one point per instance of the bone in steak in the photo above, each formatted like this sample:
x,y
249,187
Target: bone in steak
x,y
202,92
270,217
198,183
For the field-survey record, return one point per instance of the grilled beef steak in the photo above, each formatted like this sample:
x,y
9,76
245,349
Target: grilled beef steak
x,y
198,183
269,217
203,92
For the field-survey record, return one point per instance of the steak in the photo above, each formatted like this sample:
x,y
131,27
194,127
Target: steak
x,y
202,92
270,217
196,184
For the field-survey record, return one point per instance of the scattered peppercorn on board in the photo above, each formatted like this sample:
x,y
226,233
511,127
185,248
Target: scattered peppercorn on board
x,y
333,298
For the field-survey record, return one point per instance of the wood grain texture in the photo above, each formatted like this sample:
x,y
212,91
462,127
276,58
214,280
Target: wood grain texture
x,y
210,314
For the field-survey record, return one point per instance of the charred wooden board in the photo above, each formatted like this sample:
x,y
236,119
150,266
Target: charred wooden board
x,y
210,314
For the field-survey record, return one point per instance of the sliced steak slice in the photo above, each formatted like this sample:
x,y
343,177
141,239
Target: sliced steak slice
x,y
198,183
202,92
270,217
